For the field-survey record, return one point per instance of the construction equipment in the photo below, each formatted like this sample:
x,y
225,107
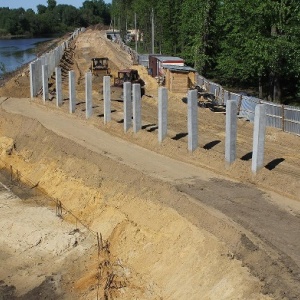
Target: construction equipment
x,y
129,75
99,66
207,99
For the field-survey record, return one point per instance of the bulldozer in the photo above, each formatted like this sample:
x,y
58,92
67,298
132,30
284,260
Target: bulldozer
x,y
99,66
129,75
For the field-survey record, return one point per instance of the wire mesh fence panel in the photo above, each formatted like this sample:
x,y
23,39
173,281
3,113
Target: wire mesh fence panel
x,y
235,97
247,107
291,119
279,116
274,114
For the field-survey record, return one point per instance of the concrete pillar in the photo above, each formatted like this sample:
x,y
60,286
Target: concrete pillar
x,y
43,59
88,95
52,59
137,116
259,133
45,82
57,59
231,131
32,69
72,92
162,113
192,120
127,106
61,52
106,96
38,75
59,98
49,63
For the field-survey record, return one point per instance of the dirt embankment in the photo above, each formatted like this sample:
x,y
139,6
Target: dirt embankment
x,y
167,239
154,252
281,173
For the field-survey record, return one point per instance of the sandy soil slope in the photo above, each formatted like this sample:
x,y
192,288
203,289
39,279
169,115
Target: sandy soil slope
x,y
179,225
33,256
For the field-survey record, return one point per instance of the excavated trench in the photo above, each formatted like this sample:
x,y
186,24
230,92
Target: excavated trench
x,y
149,250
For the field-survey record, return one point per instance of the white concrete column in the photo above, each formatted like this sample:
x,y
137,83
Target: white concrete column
x,y
45,83
259,133
231,131
72,92
192,120
162,113
106,96
127,106
88,95
59,97
32,71
38,72
52,63
57,59
137,107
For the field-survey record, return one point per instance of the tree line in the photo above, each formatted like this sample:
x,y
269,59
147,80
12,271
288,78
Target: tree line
x,y
52,18
241,43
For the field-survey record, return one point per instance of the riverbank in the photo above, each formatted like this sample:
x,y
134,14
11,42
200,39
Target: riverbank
x,y
11,36
41,48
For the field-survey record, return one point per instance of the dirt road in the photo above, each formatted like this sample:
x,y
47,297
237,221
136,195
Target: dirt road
x,y
256,218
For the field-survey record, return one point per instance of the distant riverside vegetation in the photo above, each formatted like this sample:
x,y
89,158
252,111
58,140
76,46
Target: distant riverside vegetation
x,y
248,45
53,18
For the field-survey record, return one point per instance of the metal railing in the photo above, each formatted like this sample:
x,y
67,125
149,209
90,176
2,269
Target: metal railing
x,y
284,117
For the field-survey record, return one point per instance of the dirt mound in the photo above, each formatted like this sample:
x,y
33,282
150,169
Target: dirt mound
x,y
144,236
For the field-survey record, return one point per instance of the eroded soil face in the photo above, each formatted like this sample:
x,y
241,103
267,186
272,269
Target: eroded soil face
x,y
174,234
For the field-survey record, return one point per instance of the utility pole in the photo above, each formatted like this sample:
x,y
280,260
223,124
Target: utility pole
x,y
135,30
152,22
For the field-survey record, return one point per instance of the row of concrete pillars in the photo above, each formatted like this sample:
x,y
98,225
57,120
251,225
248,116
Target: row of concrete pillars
x,y
51,59
231,131
132,114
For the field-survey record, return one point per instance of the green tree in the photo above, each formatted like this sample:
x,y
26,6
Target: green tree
x,y
198,33
67,15
259,44
41,9
167,25
51,4
94,12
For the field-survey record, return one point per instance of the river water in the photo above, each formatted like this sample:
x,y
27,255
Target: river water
x,y
16,52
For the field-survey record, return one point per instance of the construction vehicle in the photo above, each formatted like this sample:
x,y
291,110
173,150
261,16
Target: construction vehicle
x,y
99,66
129,75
